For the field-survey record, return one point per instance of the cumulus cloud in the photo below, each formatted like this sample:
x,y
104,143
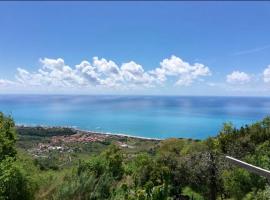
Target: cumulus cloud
x,y
266,74
185,72
52,63
106,67
88,73
237,77
134,74
106,73
53,72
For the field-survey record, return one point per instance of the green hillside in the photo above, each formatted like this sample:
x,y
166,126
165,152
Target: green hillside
x,y
63,163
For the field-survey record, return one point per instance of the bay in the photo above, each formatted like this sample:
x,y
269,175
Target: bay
x,y
161,117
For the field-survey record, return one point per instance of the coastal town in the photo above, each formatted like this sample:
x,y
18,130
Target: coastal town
x,y
65,143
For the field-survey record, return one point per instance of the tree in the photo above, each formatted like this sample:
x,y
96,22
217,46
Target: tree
x,y
95,178
14,183
204,170
114,159
237,183
7,137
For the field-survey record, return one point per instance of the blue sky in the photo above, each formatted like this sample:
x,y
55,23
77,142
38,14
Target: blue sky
x,y
142,48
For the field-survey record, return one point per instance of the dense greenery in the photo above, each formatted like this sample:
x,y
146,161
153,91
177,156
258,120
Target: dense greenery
x,y
151,170
15,183
44,131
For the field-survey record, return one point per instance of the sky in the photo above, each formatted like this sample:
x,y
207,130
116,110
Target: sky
x,y
148,48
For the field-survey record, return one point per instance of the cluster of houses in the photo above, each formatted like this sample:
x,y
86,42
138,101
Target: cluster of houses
x,y
58,143
78,137
46,148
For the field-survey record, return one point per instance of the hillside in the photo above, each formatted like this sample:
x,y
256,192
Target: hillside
x,y
64,163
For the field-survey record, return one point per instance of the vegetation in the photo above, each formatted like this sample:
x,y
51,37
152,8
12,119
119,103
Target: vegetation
x,y
15,183
122,168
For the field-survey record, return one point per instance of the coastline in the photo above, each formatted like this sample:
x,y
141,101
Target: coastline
x,y
78,130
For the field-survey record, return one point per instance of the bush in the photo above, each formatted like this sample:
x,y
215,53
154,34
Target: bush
x,y
7,137
14,182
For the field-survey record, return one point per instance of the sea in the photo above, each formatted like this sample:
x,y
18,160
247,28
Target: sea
x,y
161,117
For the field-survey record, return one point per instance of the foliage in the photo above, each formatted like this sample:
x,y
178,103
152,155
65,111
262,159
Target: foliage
x,y
15,183
7,137
172,169
94,179
192,194
259,195
44,131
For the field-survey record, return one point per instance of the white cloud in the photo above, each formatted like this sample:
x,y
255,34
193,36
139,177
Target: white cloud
x,y
5,83
52,63
237,77
104,66
134,74
266,74
88,73
108,74
183,71
54,73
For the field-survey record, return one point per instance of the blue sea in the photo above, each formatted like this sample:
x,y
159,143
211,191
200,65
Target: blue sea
x,y
145,116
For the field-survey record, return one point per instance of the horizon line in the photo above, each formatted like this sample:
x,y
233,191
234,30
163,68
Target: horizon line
x,y
149,95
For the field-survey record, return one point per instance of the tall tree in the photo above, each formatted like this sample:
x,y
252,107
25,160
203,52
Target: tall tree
x,y
7,137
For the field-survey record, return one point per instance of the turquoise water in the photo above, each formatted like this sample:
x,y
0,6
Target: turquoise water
x,y
147,116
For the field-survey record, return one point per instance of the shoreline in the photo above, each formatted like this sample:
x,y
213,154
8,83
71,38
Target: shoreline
x,y
89,131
